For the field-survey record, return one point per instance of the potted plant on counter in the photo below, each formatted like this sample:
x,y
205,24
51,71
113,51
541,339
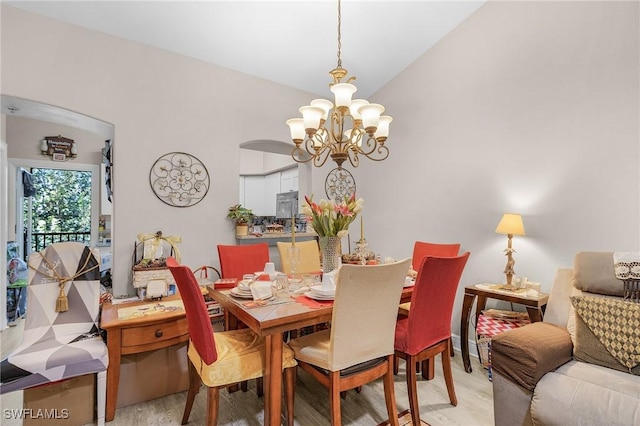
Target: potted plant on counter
x,y
241,216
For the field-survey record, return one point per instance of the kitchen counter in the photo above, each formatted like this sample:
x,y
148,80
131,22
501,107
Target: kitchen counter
x,y
273,237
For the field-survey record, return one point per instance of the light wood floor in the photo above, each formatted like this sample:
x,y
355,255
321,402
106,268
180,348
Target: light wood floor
x,y
474,392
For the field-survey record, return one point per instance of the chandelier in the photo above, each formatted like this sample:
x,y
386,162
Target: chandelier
x,y
354,127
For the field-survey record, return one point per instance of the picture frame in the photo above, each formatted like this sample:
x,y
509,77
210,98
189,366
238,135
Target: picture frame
x,y
58,156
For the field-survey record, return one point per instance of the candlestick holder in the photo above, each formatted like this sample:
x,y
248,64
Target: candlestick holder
x,y
362,250
293,254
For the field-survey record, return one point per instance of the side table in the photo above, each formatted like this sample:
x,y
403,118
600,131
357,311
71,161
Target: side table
x,y
535,308
135,335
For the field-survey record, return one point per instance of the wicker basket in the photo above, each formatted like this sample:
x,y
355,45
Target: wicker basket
x,y
141,275
492,322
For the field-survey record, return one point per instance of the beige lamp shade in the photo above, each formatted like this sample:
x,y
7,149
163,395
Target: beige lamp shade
x,y
511,224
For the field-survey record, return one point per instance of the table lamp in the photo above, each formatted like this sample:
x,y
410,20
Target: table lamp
x,y
510,224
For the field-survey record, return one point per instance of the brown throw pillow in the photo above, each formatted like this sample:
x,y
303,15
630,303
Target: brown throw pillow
x,y
607,333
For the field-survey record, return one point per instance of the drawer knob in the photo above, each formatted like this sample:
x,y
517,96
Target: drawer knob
x,y
159,333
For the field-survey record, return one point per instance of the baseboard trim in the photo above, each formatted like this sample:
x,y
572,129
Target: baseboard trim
x,y
473,347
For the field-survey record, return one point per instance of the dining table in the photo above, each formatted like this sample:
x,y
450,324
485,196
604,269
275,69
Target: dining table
x,y
271,321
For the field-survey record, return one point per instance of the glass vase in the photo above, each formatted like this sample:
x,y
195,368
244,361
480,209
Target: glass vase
x,y
331,249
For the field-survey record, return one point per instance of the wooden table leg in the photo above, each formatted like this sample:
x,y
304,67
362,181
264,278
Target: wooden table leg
x,y
113,373
534,313
273,380
467,304
231,323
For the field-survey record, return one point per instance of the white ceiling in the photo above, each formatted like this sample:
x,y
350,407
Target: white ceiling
x,y
289,42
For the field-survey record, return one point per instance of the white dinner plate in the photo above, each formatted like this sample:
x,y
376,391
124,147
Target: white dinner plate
x,y
241,294
257,274
316,296
318,289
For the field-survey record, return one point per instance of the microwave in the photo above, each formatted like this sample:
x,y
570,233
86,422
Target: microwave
x,y
286,205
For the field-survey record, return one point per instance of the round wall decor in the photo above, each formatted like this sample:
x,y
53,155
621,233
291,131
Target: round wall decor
x,y
339,184
179,179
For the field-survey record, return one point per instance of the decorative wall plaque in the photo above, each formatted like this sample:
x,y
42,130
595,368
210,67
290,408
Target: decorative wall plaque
x,y
339,184
179,179
58,147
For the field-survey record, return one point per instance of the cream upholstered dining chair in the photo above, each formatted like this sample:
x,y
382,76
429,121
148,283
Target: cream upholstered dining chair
x,y
222,358
359,346
309,257
59,343
426,332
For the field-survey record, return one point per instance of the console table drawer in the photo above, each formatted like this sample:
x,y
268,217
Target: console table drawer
x,y
154,333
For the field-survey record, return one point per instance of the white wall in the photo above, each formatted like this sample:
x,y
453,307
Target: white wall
x,y
527,107
158,102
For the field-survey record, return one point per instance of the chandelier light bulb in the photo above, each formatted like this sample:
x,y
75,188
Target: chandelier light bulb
x,y
355,106
371,116
326,106
382,132
343,93
311,116
354,136
296,127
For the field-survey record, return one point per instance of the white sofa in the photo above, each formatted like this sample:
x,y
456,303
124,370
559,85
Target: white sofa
x,y
545,373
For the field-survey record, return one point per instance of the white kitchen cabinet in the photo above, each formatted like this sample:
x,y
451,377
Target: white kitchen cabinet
x,y
258,193
254,199
271,188
289,180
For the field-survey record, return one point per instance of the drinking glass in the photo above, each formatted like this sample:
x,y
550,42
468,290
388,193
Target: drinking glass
x,y
281,286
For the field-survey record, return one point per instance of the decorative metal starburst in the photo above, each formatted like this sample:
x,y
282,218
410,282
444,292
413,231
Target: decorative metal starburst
x,y
339,184
179,179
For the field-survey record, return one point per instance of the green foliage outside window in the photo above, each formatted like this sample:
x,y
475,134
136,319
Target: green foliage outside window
x,y
62,202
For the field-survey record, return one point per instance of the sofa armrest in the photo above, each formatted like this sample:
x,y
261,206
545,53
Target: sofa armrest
x,y
525,354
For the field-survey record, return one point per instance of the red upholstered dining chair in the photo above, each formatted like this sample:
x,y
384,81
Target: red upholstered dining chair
x,y
358,348
426,332
221,358
235,261
422,249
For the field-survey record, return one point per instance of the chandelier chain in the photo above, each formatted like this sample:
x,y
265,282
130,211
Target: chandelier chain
x,y
339,36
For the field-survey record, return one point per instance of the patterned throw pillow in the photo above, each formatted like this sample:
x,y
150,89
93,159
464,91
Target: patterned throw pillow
x,y
607,333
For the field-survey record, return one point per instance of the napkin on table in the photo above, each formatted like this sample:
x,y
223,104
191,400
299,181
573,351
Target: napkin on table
x,y
261,290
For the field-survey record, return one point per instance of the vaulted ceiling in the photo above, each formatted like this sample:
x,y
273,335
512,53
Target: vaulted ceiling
x,y
289,42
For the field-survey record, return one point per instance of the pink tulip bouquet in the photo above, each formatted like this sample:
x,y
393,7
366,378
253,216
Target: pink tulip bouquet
x,y
329,218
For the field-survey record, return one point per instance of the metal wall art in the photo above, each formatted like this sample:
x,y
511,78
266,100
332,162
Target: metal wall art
x,y
179,179
339,184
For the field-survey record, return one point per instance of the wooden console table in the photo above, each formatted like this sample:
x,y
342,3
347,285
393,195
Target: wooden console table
x,y
535,308
138,334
